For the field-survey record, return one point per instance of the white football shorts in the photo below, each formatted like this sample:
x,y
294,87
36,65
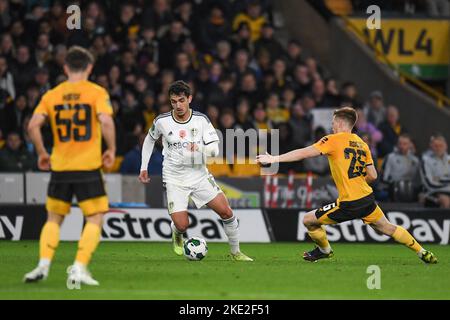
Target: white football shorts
x,y
201,194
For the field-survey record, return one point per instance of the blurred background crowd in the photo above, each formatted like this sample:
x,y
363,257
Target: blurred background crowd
x,y
242,76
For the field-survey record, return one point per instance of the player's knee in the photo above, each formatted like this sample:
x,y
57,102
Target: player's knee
x,y
309,220
95,219
54,217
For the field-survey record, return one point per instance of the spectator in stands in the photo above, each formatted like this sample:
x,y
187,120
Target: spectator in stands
x,y
22,68
249,89
302,81
349,95
55,65
5,15
214,29
314,70
391,129
401,165
213,114
6,78
15,114
183,70
275,112
332,91
318,165
223,55
280,74
438,8
150,111
436,171
300,125
374,110
288,97
130,113
14,157
368,139
223,95
269,43
43,49
260,120
243,120
157,15
42,80
131,163
308,104
364,126
6,46
321,97
287,144
241,39
226,122
293,54
170,43
253,16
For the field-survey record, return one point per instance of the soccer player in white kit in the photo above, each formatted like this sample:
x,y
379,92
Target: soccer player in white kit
x,y
188,137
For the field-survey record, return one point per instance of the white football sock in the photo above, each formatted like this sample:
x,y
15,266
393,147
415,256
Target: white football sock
x,y
231,228
421,252
326,250
44,263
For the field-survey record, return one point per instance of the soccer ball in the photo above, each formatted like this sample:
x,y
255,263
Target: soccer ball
x,y
195,248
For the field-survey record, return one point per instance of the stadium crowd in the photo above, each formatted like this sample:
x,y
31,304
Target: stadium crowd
x,y
241,75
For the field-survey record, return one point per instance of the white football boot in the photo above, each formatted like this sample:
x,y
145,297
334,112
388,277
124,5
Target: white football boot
x,y
79,274
39,273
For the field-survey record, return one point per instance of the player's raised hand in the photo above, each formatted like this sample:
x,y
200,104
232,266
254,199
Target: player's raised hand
x,y
143,177
108,158
264,158
44,161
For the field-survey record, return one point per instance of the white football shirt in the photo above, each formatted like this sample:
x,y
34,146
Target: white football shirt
x,y
180,166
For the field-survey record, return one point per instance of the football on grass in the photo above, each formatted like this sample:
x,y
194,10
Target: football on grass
x,y
195,248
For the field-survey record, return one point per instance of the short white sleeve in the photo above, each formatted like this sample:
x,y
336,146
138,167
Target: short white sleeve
x,y
209,133
155,130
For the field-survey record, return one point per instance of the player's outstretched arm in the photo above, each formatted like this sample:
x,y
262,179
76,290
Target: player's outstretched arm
x,y
34,130
109,134
147,150
295,155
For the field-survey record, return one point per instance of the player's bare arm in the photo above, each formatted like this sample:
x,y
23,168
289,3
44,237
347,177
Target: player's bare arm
x,y
371,173
34,130
109,134
295,155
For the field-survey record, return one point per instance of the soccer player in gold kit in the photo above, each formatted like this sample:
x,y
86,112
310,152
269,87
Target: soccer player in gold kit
x,y
79,113
352,169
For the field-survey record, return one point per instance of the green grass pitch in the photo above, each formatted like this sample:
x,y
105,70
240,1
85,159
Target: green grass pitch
x,y
152,271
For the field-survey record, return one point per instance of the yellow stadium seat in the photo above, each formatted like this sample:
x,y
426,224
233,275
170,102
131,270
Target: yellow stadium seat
x,y
246,169
218,169
339,7
115,167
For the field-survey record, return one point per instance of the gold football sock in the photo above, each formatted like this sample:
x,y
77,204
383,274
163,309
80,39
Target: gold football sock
x,y
49,240
88,243
401,235
319,236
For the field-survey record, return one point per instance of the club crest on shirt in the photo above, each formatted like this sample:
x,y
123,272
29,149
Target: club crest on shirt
x,y
182,133
194,132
